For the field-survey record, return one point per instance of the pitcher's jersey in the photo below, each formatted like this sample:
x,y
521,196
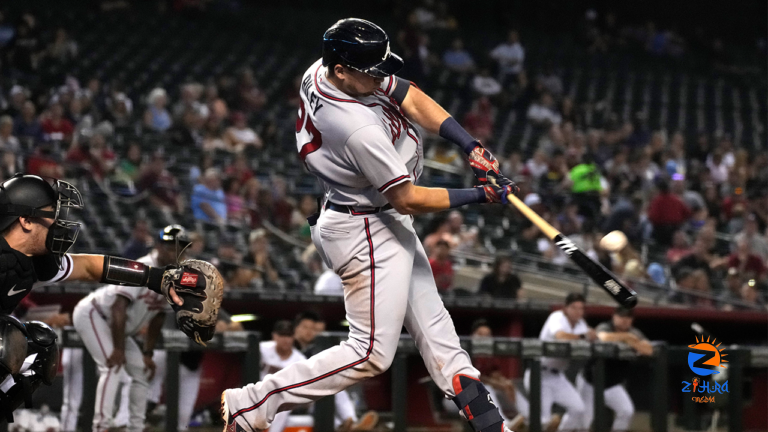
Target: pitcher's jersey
x,y
271,361
144,304
357,147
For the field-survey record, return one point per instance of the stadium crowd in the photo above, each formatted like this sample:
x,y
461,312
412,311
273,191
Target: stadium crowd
x,y
693,206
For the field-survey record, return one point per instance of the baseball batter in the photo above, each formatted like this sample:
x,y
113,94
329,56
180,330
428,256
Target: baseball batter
x,y
107,320
563,325
355,131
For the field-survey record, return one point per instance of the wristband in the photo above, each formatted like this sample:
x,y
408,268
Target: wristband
x,y
451,130
460,197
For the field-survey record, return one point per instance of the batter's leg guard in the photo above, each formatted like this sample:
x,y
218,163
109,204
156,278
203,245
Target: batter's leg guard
x,y
476,406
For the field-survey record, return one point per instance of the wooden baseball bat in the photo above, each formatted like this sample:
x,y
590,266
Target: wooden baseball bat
x,y
603,277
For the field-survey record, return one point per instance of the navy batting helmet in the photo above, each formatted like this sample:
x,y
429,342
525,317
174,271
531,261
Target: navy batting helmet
x,y
360,45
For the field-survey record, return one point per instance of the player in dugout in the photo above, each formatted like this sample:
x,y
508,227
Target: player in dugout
x,y
38,228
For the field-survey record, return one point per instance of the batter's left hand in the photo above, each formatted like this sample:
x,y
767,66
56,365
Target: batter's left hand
x,y
486,167
497,194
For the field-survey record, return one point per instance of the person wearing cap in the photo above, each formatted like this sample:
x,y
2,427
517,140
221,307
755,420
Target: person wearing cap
x,y
620,330
107,320
277,354
566,324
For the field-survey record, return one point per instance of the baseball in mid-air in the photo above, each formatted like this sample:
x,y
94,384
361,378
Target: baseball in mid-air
x,y
614,241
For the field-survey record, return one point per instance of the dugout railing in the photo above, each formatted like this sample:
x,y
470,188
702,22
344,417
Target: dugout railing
x,y
530,350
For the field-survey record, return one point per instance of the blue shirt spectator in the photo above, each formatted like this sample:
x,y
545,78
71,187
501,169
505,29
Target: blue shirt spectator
x,y
26,125
457,58
208,202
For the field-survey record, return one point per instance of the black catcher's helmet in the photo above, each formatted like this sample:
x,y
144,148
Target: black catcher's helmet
x,y
174,233
360,45
26,195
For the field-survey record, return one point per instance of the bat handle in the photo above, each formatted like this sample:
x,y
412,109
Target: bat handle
x,y
537,220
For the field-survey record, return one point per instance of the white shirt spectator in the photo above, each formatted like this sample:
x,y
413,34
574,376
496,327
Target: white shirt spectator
x,y
718,172
557,321
510,57
486,85
539,114
329,283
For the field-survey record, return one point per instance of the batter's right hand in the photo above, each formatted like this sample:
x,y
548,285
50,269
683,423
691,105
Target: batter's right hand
x,y
117,359
498,194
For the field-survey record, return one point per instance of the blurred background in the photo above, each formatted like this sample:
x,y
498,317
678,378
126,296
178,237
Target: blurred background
x,y
644,117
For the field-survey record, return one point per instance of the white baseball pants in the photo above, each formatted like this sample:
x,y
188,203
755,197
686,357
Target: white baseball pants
x,y
72,383
189,386
388,283
97,338
616,398
555,388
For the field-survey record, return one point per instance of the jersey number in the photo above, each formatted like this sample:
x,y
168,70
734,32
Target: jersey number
x,y
316,140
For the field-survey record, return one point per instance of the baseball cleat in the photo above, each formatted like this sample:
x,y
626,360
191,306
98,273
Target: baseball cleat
x,y
230,425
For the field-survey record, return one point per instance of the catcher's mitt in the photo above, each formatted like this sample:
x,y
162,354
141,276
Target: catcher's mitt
x,y
201,287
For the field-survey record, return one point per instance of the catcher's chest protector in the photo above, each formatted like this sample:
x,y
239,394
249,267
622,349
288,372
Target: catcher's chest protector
x,y
17,275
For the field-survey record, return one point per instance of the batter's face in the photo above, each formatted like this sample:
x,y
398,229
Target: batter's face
x,y
354,83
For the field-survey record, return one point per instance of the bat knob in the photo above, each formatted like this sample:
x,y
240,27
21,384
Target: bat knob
x,y
630,301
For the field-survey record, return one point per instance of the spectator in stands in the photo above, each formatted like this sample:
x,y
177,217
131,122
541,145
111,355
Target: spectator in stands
x,y
555,181
163,187
667,213
7,31
551,80
187,132
751,297
587,187
257,264
693,272
442,266
8,165
55,126
23,51
157,117
542,113
513,164
92,156
749,265
207,199
451,229
509,56
234,198
279,204
18,96
250,97
618,329
680,247
479,120
8,142
718,168
486,85
63,49
26,125
195,171
512,404
457,58
307,206
732,293
758,244
130,166
213,135
239,135
42,163
228,261
140,242
501,282
120,111
189,100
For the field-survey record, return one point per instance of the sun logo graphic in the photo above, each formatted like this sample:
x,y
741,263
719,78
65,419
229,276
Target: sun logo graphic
x,y
705,357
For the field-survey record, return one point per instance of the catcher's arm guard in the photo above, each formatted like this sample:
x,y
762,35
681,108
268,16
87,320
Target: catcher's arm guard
x,y
201,287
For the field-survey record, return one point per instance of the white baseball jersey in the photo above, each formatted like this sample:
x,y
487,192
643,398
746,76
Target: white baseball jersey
x,y
271,361
358,148
557,321
144,304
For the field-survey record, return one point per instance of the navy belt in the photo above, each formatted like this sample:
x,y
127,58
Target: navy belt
x,y
351,210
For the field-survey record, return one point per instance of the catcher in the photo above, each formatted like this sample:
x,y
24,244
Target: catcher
x,y
36,231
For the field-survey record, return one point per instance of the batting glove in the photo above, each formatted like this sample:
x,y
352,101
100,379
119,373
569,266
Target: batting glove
x,y
486,167
498,194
